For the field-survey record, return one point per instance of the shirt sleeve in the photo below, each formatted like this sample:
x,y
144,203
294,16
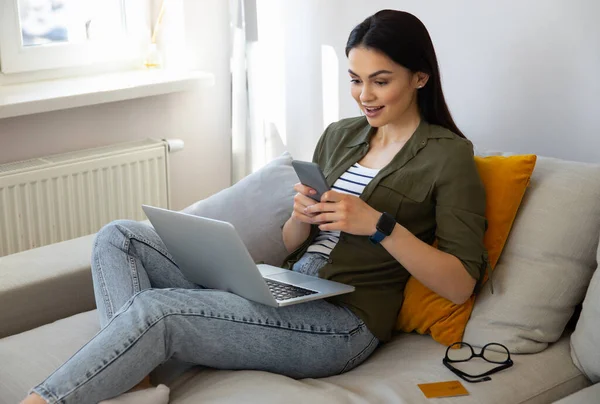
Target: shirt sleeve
x,y
320,154
460,210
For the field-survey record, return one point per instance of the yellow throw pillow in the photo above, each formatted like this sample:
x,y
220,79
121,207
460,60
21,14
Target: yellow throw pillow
x,y
505,179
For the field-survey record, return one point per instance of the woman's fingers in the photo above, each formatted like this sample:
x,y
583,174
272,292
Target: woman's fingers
x,y
327,217
332,196
304,190
299,215
307,210
321,207
303,201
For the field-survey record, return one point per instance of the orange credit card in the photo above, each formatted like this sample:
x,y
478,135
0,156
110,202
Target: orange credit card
x,y
443,389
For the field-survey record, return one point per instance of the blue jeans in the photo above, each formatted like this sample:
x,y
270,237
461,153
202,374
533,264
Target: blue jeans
x,y
150,314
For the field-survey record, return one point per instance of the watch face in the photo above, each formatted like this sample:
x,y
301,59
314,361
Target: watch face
x,y
386,223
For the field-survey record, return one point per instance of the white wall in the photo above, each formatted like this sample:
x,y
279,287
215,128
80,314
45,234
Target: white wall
x,y
200,117
519,76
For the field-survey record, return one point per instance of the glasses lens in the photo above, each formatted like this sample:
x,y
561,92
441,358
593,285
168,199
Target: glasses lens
x,y
495,353
459,352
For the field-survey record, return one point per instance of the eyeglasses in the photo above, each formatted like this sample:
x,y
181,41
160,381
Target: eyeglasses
x,y
492,352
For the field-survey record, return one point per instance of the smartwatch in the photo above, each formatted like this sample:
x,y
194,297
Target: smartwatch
x,y
385,226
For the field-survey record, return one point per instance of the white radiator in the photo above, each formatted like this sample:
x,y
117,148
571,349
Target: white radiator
x,y
60,197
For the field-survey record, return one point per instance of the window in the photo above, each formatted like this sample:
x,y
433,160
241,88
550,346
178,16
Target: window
x,y
56,34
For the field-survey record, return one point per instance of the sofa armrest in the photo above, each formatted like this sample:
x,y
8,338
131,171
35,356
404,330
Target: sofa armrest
x,y
45,284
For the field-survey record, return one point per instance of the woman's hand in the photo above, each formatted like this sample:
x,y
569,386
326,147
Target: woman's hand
x,y
297,228
302,200
344,212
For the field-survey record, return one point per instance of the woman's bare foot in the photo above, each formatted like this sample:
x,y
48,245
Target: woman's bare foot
x,y
33,399
156,395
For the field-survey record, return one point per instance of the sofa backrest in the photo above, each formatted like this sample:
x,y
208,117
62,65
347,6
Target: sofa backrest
x,y
542,274
547,262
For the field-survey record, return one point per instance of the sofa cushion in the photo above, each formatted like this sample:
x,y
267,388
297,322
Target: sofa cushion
x,y
547,262
585,340
45,284
390,376
505,180
257,205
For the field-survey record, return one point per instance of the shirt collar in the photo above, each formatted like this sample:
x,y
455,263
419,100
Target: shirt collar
x,y
424,132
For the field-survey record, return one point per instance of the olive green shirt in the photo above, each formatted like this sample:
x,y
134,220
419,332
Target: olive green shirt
x,y
431,187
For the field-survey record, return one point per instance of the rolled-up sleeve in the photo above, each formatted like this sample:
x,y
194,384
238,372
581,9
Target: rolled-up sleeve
x,y
460,209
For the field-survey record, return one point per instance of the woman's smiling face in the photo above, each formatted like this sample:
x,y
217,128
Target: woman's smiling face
x,y
383,89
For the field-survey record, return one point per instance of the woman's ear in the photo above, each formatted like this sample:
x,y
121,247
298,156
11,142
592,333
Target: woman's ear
x,y
421,79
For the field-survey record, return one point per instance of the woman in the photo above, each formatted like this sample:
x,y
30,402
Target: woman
x,y
404,176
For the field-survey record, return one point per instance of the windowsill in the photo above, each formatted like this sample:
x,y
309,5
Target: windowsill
x,y
53,95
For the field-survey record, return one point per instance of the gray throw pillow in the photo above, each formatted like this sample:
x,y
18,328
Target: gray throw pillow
x,y
257,206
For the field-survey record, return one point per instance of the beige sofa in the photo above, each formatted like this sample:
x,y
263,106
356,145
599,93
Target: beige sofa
x,y
47,308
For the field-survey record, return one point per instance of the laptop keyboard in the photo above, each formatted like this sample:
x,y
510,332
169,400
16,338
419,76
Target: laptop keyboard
x,y
283,291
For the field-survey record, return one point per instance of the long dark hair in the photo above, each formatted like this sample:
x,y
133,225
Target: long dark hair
x,y
405,40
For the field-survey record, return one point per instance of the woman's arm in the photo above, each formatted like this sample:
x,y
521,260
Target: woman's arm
x,y
294,233
441,272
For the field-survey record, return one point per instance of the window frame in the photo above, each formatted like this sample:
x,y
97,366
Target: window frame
x,y
18,60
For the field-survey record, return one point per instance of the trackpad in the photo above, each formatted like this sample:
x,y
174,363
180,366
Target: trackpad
x,y
269,270
292,277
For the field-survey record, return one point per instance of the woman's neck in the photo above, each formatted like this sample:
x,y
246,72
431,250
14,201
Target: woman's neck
x,y
400,130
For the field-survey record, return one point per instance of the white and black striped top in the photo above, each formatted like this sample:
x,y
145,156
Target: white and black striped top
x,y
353,182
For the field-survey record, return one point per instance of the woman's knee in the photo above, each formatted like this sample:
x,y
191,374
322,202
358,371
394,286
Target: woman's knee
x,y
157,303
117,229
126,227
160,302
111,230
146,307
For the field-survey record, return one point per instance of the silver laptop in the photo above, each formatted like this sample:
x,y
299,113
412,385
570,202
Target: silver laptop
x,y
211,253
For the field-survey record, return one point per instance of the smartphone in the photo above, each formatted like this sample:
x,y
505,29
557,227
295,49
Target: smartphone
x,y
310,174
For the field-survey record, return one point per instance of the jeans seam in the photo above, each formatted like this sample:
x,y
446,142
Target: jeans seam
x,y
130,235
259,323
316,265
358,355
135,279
105,296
